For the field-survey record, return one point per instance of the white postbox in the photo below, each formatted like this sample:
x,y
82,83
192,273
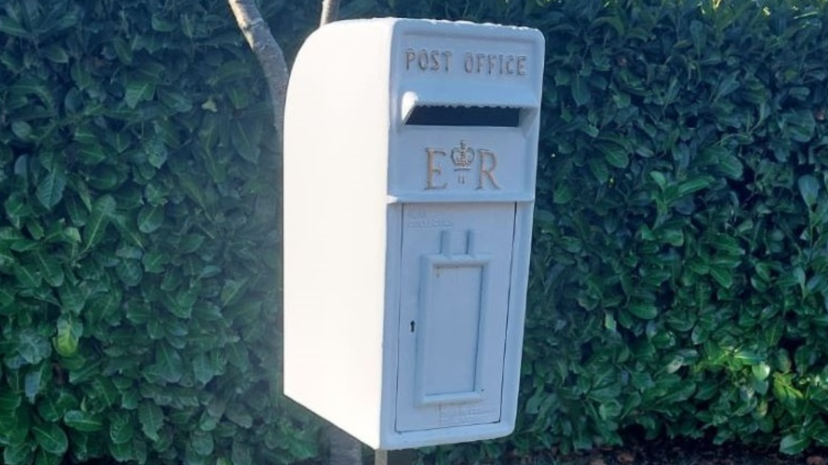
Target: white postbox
x,y
410,157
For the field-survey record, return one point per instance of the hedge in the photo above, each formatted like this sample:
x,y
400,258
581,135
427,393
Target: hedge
x,y
139,271
678,281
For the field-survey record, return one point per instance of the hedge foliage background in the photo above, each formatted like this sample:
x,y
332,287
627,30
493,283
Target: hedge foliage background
x,y
679,269
139,236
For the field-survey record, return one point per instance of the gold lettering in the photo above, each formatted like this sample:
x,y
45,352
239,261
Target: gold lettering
x,y
434,168
410,55
521,65
447,58
487,172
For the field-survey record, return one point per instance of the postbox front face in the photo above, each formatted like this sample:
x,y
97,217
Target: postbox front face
x,y
442,151
466,116
462,162
456,262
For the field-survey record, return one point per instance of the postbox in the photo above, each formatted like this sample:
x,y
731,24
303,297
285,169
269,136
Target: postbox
x,y
409,180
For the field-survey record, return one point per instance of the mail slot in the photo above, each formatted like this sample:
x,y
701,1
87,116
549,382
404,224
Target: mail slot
x,y
409,174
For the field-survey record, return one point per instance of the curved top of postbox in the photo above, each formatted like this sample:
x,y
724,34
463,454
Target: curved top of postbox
x,y
422,110
441,49
425,24
434,61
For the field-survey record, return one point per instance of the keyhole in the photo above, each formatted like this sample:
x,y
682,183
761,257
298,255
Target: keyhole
x,y
412,326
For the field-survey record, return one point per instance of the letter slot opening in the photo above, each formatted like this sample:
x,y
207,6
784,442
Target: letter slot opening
x,y
441,115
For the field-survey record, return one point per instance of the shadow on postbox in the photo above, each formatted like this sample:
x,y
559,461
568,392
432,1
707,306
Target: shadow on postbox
x,y
410,157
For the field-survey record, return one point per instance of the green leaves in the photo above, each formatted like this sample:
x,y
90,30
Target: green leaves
x,y
17,454
580,90
121,429
202,443
232,290
240,454
16,209
95,229
679,243
56,54
51,438
132,251
808,189
793,444
34,381
32,346
151,418
156,152
616,152
12,27
722,275
168,363
150,219
643,310
246,139
50,189
203,369
618,159
680,226
138,90
83,421
9,400
73,297
695,185
69,332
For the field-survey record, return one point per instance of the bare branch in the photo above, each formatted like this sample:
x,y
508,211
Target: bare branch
x,y
330,11
268,52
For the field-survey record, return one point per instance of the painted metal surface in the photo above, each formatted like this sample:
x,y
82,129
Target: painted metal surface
x,y
409,188
456,260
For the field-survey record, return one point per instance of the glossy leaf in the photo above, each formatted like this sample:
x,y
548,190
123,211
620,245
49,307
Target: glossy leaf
x,y
137,91
793,444
51,438
150,219
17,454
69,332
33,347
83,421
643,310
9,400
151,418
808,189
95,229
121,430
50,189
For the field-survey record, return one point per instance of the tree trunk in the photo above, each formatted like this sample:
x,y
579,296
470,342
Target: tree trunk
x,y
270,56
330,12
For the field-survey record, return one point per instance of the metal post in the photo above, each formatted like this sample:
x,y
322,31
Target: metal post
x,y
394,457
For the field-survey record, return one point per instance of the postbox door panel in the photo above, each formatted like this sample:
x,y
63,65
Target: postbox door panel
x,y
456,266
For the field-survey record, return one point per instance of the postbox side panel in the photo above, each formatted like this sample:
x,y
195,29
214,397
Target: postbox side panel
x,y
336,142
455,273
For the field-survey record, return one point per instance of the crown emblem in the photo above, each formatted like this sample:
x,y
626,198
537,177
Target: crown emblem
x,y
462,157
